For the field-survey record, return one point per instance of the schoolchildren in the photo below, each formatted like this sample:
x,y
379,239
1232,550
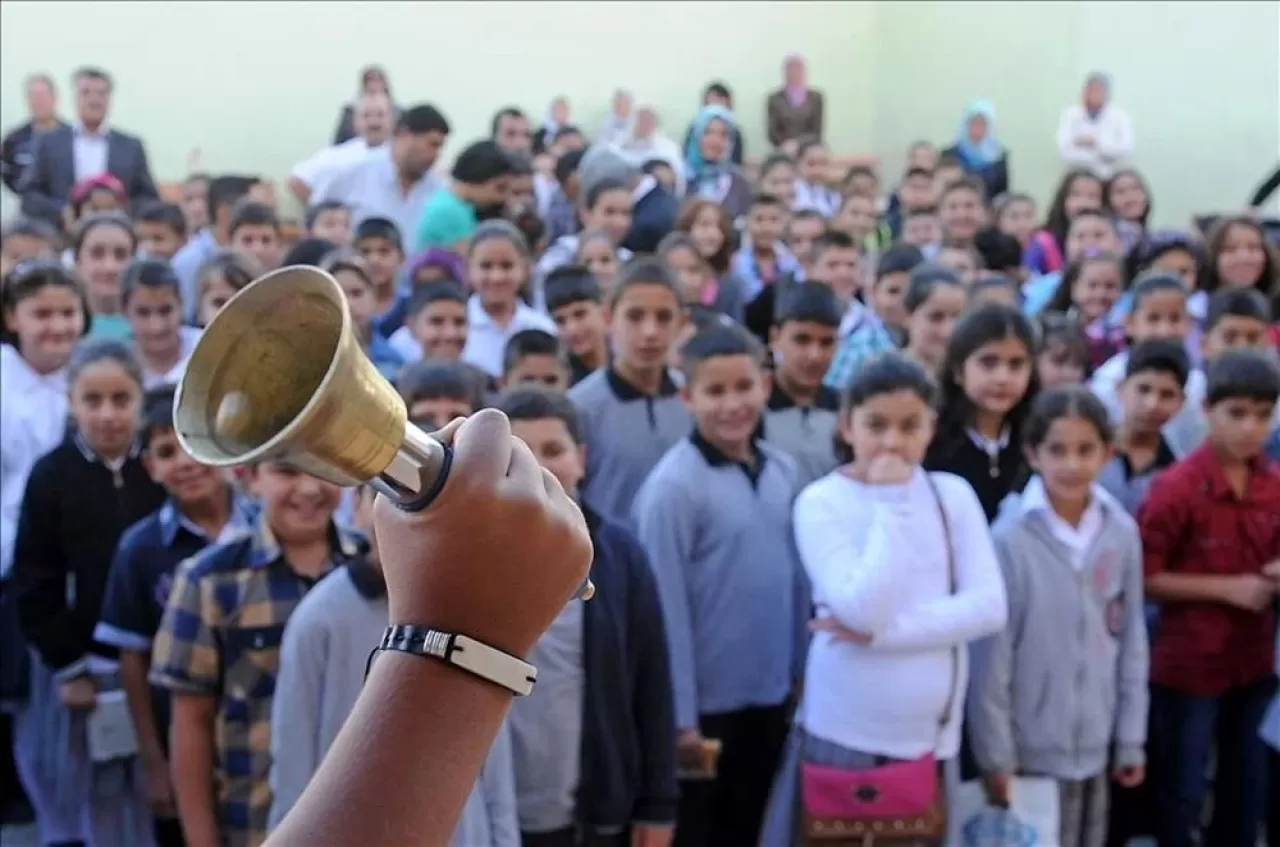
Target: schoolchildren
x,y
922,228
962,259
532,357
857,219
1000,253
706,222
594,743
222,196
630,412
904,577
1016,216
377,240
813,175
201,508
802,230
218,651
1091,285
436,392
1238,256
497,269
151,299
323,661
330,220
1078,191
1208,534
1063,355
763,259
605,206
988,380
777,176
800,418
1090,232
1065,684
560,211
934,301
699,284
161,229
79,499
887,290
102,246
576,305
436,323
217,280
27,239
255,231
598,253
995,288
863,332
961,211
714,517
353,276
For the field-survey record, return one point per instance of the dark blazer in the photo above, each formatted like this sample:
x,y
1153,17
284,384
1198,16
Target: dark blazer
x,y
15,153
787,122
45,185
652,217
995,176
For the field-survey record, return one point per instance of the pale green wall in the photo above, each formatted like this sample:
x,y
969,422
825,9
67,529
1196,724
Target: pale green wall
x,y
257,85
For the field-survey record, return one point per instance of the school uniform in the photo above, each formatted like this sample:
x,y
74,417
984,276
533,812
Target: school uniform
x,y
322,668
487,341
993,467
595,742
1129,485
805,433
862,335
187,338
718,536
625,432
1065,683
1184,431
75,509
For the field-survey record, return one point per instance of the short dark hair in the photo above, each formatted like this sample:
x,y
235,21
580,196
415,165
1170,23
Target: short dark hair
x,y
95,73
994,281
763,200
719,89
435,292
714,342
917,172
36,228
160,212
157,414
376,227
569,284
314,212
308,251
422,119
253,213
504,112
998,250
643,270
566,131
433,380
899,258
1066,401
1151,284
964,183
227,191
920,212
1160,356
529,403
1057,331
521,163
1242,374
529,342
833,239
601,188
567,165
480,162
154,274
924,280
1237,303
809,302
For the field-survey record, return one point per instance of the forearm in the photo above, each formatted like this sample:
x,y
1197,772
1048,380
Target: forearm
x,y
192,772
134,667
410,706
1188,588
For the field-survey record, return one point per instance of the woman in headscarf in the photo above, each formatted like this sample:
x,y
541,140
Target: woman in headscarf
x,y
709,164
795,110
979,151
373,79
718,94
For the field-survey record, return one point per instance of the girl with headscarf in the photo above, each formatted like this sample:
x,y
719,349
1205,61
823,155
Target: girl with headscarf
x,y
795,110
979,151
709,164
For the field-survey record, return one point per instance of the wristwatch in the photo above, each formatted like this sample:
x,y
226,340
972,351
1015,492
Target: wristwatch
x,y
474,657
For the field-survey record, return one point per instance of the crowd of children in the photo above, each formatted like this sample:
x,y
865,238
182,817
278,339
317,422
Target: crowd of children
x,y
888,488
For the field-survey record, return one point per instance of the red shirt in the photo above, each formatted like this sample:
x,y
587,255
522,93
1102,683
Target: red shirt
x,y
1193,523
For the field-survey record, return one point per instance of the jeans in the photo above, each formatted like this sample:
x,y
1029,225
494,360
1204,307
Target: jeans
x,y
1185,729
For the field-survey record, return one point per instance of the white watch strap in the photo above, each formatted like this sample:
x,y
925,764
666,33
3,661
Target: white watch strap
x,y
461,651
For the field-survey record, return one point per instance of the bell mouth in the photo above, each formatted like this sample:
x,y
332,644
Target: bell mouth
x,y
260,365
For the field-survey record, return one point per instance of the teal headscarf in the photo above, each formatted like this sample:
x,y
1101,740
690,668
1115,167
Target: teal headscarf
x,y
982,153
700,170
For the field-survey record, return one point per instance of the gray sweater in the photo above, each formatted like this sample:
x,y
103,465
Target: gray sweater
x,y
1067,679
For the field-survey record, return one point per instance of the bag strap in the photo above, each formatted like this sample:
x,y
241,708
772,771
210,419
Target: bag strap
x,y
952,585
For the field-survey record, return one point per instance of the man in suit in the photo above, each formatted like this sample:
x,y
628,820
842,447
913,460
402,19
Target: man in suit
x,y
63,156
42,105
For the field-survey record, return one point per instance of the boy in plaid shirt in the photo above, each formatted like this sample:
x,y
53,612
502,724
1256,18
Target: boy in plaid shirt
x,y
218,652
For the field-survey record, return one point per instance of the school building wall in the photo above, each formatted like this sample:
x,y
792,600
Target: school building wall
x,y
257,86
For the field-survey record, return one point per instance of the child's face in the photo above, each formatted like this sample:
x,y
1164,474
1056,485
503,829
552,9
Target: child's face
x,y
1181,264
1096,290
261,241
780,181
706,231
1161,315
764,225
601,258
959,261
105,401
360,299
101,200
383,257
917,192
857,217
929,326
297,506
1018,219
103,255
441,328
961,215
540,370
47,324
1055,366
838,267
922,230
1150,399
581,326
195,207
944,176
726,395
157,240
22,248
898,423
1234,332
215,294
1084,195
996,375
1239,426
555,449
692,272
1070,459
1128,198
333,225
643,323
496,270
815,165
154,314
886,298
183,478
1243,257
866,184
923,156
611,213
802,352
1091,234
432,413
802,231
520,193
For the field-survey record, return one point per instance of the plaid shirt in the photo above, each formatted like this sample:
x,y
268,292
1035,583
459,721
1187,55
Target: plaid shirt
x,y
865,338
220,637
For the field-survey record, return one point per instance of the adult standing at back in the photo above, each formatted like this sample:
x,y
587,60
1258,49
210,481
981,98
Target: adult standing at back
x,y
373,80
69,153
374,119
795,111
978,149
42,105
1095,133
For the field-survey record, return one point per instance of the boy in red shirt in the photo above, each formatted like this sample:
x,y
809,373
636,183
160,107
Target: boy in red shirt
x,y
1210,526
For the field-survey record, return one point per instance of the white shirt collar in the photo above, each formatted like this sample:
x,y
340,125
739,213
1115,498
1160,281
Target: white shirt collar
x,y
1076,538
81,132
989,446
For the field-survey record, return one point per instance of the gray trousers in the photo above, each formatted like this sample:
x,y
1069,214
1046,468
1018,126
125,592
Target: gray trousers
x,y
1082,807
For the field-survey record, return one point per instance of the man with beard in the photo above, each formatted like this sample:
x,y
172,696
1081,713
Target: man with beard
x,y
477,191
